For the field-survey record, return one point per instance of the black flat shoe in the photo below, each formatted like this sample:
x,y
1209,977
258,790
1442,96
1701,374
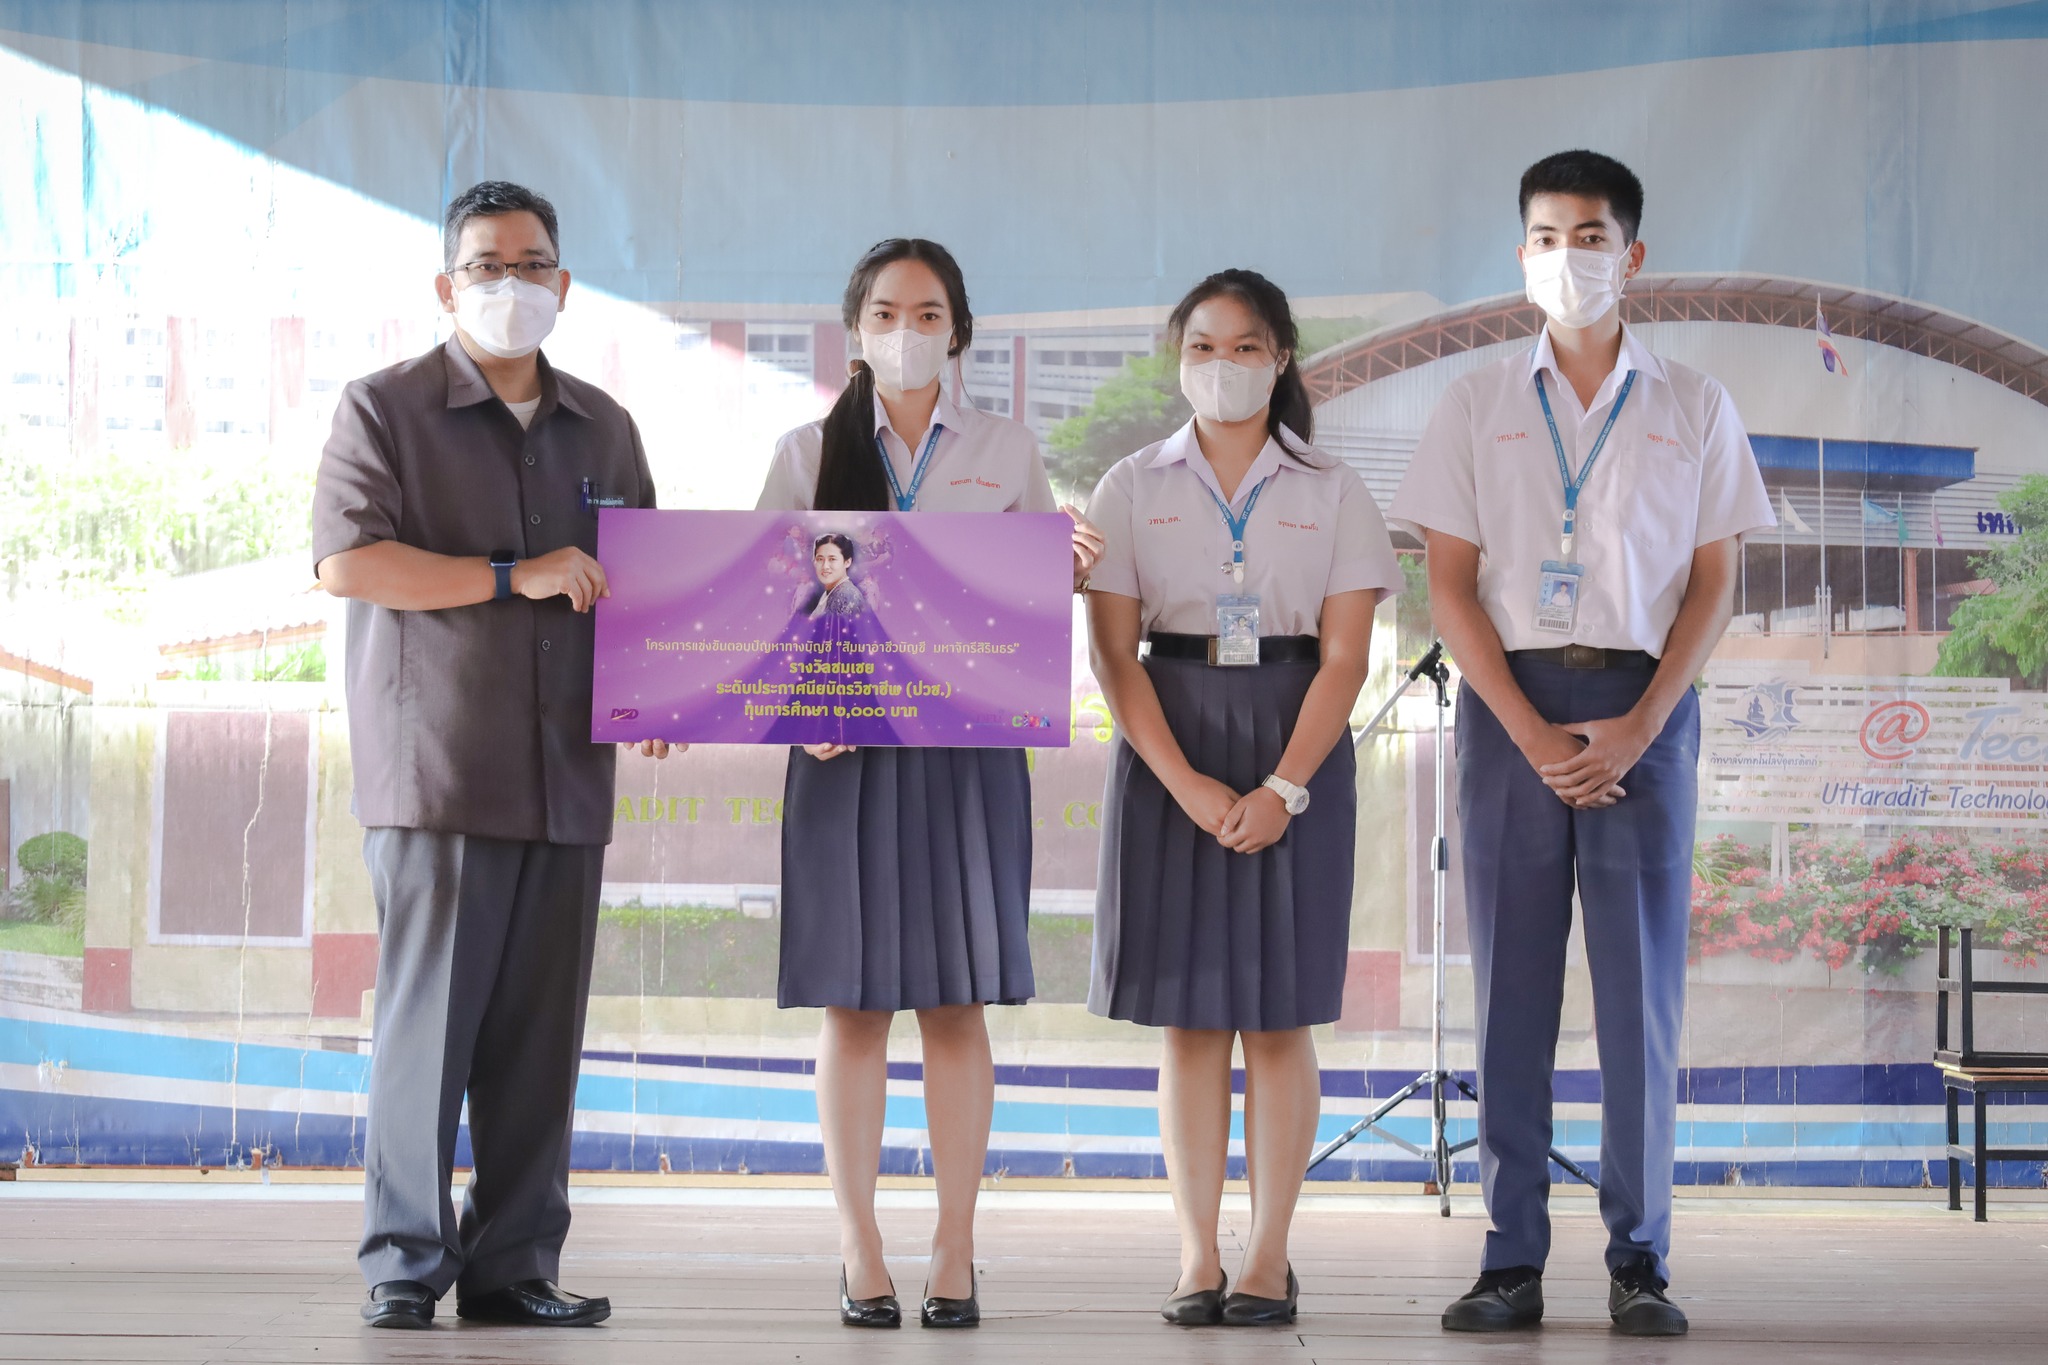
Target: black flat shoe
x,y
1247,1310
400,1303
533,1303
1203,1308
1636,1303
1500,1301
954,1312
880,1311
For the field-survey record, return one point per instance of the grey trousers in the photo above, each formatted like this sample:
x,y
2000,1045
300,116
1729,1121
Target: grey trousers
x,y
483,979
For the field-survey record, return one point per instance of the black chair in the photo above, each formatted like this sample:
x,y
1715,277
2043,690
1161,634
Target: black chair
x,y
1979,1073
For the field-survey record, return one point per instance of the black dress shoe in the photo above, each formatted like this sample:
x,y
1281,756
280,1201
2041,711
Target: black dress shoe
x,y
533,1303
400,1303
1203,1308
954,1312
1636,1302
1501,1301
880,1311
1246,1310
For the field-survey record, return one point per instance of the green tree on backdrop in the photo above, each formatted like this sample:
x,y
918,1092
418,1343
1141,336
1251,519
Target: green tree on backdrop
x,y
2005,633
118,519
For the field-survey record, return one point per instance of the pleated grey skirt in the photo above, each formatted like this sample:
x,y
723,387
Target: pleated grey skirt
x,y
906,879
1191,935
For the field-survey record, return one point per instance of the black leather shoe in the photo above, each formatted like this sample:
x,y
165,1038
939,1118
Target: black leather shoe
x,y
954,1312
880,1311
1246,1310
1203,1308
1636,1302
400,1303
1501,1301
533,1303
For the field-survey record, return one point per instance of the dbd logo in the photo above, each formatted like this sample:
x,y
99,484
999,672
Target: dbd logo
x,y
1893,730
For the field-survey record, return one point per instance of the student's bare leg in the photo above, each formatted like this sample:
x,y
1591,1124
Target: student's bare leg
x,y
1194,1132
852,1086
1282,1102
959,1102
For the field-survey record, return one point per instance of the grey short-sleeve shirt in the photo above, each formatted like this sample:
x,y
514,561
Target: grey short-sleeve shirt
x,y
475,720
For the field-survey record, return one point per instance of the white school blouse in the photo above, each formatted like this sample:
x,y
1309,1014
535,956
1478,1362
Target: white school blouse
x,y
1314,532
1677,473
982,463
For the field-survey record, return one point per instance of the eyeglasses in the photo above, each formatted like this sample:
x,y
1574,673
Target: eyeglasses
x,y
533,272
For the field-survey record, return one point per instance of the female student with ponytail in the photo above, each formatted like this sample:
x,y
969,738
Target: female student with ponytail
x,y
1251,562
906,873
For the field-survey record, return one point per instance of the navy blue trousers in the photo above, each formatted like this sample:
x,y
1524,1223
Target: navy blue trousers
x,y
1525,851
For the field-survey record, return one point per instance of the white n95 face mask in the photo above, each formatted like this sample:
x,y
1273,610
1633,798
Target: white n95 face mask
x,y
1225,391
904,360
509,317
1574,286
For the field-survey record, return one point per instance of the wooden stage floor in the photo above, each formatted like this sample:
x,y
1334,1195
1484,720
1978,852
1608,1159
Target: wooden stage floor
x,y
744,1276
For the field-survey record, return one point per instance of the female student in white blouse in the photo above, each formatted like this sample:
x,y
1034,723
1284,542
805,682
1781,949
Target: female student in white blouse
x,y
906,873
1251,562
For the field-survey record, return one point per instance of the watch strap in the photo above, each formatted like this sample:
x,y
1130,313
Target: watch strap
x,y
1295,798
501,565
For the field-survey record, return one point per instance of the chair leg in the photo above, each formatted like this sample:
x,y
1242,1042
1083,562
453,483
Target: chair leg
x,y
1955,1167
1983,1166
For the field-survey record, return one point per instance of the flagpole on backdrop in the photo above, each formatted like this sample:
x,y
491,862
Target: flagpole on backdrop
x,y
1863,547
1784,582
1900,498
1823,604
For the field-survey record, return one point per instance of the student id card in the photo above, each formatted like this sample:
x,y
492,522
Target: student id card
x,y
1557,595
1237,631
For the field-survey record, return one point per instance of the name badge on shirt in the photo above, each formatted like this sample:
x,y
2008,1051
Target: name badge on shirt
x,y
593,498
1237,631
1557,595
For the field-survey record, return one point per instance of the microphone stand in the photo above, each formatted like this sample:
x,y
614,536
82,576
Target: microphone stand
x,y
1439,1080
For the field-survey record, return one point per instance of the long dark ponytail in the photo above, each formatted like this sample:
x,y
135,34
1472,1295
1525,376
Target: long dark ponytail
x,y
850,477
1290,405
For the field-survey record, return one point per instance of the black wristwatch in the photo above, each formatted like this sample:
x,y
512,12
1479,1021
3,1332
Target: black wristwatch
x,y
501,563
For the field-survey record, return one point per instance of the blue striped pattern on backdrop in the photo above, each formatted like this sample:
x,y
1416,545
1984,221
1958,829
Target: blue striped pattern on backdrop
x,y
100,1092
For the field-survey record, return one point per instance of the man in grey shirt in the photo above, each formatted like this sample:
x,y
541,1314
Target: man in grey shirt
x,y
456,506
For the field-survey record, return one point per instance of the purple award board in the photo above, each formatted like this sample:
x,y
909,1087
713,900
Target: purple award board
x,y
935,628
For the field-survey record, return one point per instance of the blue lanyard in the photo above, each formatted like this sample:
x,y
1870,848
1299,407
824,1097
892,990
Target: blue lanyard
x,y
1564,469
1237,523
906,501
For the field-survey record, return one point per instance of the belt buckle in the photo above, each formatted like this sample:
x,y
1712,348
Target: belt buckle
x,y
1584,656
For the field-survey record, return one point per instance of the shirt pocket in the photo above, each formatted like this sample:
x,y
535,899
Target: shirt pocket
x,y
1659,486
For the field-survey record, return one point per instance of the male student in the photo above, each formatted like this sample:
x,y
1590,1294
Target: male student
x,y
1584,504
456,505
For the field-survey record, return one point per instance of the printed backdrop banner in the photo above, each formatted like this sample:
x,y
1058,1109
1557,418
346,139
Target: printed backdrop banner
x,y
835,628
214,217
1955,752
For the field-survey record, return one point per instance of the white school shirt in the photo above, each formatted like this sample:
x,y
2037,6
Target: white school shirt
x,y
1677,473
982,463
1314,532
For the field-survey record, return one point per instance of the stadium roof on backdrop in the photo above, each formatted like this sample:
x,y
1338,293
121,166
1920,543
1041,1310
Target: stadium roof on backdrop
x,y
1913,327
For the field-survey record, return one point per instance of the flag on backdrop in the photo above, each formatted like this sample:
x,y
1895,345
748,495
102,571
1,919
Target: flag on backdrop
x,y
1829,356
1875,515
1792,518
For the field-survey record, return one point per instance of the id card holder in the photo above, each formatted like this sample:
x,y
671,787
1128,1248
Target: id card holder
x,y
1557,595
1237,631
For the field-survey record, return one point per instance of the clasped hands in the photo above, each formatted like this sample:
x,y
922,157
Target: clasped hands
x,y
1583,761
1242,824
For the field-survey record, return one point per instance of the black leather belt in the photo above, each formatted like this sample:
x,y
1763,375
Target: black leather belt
x,y
1273,649
1587,656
